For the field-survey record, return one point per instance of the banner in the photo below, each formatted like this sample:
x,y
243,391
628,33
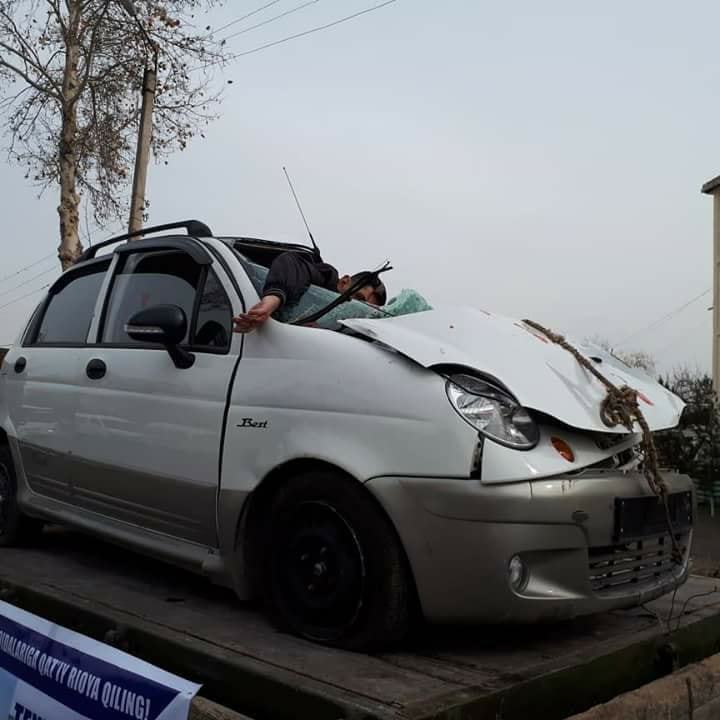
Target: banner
x,y
50,673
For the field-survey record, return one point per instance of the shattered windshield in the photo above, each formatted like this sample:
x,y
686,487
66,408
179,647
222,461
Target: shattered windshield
x,y
317,298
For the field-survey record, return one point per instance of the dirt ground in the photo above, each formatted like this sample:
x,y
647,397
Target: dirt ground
x,y
706,543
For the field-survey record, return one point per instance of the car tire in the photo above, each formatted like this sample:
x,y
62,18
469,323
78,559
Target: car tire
x,y
15,528
335,572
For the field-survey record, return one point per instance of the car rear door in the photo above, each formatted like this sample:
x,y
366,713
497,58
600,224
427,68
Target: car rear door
x,y
148,434
42,377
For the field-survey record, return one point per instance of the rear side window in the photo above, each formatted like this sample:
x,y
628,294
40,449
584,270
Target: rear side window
x,y
69,311
157,278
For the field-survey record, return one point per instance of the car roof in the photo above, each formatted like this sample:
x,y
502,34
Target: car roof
x,y
255,249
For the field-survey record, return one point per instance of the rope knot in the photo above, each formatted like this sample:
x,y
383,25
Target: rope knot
x,y
619,407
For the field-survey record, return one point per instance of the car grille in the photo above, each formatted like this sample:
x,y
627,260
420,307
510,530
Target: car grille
x,y
620,569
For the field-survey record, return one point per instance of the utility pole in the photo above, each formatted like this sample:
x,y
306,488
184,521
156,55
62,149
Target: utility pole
x,y
712,187
142,154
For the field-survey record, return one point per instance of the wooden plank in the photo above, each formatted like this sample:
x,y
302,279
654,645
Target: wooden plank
x,y
174,600
202,709
586,679
183,623
240,683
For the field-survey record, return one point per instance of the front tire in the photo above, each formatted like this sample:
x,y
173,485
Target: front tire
x,y
15,528
335,571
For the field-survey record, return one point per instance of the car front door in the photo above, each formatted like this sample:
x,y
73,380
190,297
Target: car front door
x,y
148,434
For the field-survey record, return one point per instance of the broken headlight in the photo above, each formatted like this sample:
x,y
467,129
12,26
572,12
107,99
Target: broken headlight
x,y
492,411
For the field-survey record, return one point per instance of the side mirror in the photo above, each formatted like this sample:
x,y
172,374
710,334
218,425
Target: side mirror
x,y
165,325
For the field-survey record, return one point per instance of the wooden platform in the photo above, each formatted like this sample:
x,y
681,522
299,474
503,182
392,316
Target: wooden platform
x,y
202,632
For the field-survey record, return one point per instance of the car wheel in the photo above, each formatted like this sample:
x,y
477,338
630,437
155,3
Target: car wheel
x,y
14,526
336,572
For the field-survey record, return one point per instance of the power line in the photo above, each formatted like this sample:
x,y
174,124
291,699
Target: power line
x,y
686,333
27,295
665,317
28,281
269,20
27,267
311,30
245,17
291,37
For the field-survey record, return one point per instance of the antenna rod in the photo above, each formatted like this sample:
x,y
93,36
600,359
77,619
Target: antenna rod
x,y
300,210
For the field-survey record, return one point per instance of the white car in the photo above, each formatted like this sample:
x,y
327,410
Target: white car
x,y
449,463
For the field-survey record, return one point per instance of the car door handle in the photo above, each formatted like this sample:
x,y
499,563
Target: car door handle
x,y
96,369
20,364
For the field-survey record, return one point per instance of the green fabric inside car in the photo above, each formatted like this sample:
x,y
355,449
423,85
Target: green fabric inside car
x,y
406,302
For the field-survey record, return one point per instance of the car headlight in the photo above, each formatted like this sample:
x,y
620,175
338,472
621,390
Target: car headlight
x,y
494,412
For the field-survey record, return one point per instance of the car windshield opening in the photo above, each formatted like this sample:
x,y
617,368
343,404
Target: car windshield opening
x,y
316,299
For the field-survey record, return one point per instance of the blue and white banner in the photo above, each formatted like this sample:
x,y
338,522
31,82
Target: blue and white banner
x,y
50,673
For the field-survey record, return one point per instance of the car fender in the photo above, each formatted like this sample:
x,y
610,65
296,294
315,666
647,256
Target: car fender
x,y
304,392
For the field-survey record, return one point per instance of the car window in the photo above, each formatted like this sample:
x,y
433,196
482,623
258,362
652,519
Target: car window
x,y
147,279
70,310
213,326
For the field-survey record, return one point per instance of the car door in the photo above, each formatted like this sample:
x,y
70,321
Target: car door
x,y
42,376
148,434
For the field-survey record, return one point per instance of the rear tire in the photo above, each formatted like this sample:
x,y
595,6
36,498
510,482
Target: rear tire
x,y
15,528
335,571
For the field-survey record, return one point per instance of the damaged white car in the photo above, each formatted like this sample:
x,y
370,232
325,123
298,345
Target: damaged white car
x,y
351,466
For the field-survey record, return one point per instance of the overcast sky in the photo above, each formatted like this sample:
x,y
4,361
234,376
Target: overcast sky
x,y
541,160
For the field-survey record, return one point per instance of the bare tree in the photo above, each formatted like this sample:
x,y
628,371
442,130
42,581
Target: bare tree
x,y
70,79
632,358
637,359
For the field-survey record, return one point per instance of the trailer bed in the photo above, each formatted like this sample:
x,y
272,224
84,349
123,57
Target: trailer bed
x,y
186,625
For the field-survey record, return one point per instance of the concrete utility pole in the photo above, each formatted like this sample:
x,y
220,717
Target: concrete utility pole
x,y
712,187
142,155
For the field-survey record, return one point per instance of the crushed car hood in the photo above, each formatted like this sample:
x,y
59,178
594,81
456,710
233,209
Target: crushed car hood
x,y
540,374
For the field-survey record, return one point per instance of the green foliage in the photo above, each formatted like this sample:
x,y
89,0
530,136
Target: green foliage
x,y
694,446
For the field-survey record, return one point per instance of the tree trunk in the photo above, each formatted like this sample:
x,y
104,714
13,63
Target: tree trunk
x,y
68,210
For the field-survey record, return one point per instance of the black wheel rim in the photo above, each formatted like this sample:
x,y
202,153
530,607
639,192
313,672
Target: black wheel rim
x,y
319,571
5,497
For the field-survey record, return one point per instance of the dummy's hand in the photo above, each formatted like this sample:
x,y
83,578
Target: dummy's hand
x,y
257,315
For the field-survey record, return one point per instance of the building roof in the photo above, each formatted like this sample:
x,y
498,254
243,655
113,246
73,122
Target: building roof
x,y
711,186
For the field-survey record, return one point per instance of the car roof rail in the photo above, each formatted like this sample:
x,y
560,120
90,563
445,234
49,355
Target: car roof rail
x,y
192,227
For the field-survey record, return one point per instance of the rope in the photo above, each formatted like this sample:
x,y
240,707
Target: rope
x,y
620,407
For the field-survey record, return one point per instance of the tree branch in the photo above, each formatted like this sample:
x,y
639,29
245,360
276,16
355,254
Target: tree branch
x,y
93,47
10,100
58,16
29,56
20,73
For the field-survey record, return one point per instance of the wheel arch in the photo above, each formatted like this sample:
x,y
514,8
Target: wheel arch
x,y
258,503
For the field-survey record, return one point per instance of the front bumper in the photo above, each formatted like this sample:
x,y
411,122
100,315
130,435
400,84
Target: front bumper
x,y
459,536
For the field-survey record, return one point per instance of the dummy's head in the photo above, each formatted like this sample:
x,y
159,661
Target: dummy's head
x,y
373,292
